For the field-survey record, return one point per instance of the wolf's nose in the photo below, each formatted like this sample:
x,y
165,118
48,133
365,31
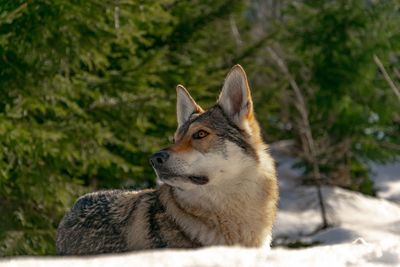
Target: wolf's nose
x,y
159,158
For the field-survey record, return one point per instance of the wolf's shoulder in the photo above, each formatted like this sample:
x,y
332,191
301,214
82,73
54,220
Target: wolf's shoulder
x,y
97,221
106,201
103,197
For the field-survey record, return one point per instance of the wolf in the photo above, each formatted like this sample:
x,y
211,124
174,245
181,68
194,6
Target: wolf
x,y
218,186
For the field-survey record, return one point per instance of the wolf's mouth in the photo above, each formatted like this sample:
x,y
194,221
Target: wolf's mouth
x,y
199,179
196,179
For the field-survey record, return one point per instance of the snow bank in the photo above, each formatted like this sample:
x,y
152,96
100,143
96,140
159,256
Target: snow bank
x,y
351,214
217,256
357,255
384,253
387,180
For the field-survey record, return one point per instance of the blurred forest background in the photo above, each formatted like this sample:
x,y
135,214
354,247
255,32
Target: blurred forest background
x,y
88,92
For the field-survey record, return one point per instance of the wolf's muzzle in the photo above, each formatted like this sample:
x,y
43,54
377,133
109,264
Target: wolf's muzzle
x,y
158,159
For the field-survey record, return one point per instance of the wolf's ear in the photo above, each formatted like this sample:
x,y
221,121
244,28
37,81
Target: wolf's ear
x,y
235,98
185,105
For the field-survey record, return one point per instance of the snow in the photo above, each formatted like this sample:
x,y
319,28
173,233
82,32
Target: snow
x,y
214,256
353,215
384,253
365,231
387,180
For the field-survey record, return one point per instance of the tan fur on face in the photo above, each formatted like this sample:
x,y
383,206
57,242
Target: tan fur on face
x,y
185,143
239,213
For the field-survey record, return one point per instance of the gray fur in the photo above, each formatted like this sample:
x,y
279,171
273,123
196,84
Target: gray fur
x,y
99,222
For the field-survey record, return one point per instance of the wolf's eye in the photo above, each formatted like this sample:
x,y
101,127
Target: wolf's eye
x,y
199,134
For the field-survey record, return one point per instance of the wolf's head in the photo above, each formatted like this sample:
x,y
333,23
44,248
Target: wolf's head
x,y
217,147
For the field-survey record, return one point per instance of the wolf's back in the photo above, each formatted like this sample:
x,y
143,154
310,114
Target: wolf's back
x,y
118,221
96,224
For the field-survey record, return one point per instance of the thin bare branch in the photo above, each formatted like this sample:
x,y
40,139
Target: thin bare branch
x,y
300,102
306,136
235,31
386,76
116,15
14,13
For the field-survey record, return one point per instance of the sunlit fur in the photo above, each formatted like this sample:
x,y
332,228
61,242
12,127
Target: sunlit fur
x,y
242,181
